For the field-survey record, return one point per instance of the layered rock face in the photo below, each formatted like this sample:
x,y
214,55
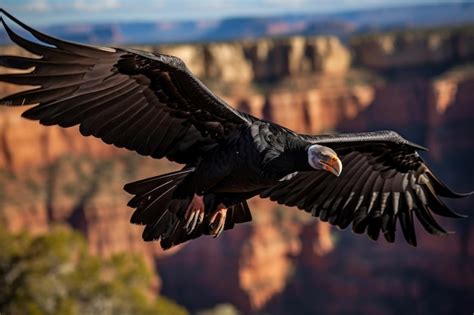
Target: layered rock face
x,y
415,49
263,59
284,261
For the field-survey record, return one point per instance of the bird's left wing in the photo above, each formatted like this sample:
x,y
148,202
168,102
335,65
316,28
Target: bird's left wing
x,y
149,103
383,180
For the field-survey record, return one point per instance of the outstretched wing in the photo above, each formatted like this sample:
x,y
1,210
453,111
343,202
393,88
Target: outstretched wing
x,y
149,103
383,180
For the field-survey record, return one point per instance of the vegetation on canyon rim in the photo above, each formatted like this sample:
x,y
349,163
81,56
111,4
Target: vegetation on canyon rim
x,y
54,274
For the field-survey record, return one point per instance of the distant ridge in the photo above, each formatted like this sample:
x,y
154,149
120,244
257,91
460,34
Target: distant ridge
x,y
340,24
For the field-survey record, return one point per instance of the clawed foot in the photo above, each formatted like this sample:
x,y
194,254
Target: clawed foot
x,y
194,213
217,221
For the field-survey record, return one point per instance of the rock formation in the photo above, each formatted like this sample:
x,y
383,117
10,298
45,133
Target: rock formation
x,y
417,84
418,48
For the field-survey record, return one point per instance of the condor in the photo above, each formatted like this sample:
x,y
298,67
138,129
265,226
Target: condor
x,y
152,104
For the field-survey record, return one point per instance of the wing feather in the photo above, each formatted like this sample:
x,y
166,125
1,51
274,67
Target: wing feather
x,y
138,100
384,181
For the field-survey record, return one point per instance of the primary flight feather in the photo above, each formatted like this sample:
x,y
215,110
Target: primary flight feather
x,y
152,104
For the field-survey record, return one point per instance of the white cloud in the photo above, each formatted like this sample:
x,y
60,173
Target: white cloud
x,y
36,6
88,5
294,3
80,5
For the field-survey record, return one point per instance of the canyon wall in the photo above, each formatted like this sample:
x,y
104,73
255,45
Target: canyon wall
x,y
284,261
419,48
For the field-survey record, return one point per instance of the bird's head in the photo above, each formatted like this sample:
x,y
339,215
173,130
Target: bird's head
x,y
324,158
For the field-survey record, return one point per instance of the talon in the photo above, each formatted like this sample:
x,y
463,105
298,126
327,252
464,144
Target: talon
x,y
194,213
219,229
195,220
189,220
201,217
217,221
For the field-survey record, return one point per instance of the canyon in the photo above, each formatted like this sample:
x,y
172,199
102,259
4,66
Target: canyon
x,y
419,84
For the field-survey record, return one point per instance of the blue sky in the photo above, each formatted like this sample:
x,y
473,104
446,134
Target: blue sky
x,y
47,12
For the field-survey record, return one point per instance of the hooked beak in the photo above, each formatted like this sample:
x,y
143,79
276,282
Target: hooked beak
x,y
332,164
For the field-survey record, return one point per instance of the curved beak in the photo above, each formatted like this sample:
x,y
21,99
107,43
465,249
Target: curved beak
x,y
332,164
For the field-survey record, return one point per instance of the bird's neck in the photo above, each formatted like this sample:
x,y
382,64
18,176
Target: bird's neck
x,y
299,158
293,159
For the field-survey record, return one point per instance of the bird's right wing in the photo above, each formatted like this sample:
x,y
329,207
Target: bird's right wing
x,y
383,180
149,103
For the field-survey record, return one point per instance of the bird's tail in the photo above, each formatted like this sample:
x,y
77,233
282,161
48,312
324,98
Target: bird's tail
x,y
155,206
158,208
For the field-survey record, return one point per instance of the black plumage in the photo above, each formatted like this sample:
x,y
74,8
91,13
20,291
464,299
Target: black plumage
x,y
152,104
384,179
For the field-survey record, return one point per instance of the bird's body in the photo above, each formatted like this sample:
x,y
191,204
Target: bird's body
x,y
152,104
251,160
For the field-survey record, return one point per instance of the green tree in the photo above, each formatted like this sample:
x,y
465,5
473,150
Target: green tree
x,y
54,274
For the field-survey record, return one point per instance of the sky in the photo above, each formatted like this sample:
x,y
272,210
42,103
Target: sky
x,y
50,12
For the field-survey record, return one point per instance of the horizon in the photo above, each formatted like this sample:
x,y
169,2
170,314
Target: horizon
x,y
56,12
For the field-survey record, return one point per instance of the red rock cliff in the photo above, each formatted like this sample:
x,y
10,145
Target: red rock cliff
x,y
283,261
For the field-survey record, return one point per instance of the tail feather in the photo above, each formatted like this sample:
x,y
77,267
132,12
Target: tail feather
x,y
152,195
230,221
149,194
160,227
147,211
239,213
242,214
147,184
162,213
178,234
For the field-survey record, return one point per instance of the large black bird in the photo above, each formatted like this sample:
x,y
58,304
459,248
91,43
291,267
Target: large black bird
x,y
152,104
